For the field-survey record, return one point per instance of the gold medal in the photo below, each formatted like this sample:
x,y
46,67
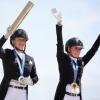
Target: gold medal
x,y
74,86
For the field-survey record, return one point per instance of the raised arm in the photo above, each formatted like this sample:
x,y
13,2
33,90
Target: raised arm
x,y
3,40
86,58
60,47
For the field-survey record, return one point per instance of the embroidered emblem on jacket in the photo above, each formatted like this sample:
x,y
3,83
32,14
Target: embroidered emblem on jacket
x,y
30,62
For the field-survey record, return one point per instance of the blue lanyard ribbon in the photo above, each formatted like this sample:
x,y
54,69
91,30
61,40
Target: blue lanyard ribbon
x,y
75,69
21,66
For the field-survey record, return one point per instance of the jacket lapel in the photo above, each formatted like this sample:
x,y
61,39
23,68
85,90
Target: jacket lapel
x,y
28,62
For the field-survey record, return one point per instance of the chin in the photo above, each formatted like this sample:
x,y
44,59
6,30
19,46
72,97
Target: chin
x,y
21,48
76,56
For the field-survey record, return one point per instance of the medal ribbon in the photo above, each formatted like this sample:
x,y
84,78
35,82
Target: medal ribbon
x,y
75,69
21,66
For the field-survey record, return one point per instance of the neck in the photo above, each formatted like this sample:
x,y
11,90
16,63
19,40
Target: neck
x,y
19,50
74,59
72,56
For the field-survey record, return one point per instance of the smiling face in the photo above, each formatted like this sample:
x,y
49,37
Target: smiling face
x,y
74,51
19,42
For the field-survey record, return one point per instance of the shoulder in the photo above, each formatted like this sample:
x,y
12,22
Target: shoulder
x,y
8,51
30,58
67,58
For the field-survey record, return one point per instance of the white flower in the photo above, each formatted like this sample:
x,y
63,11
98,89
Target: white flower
x,y
30,62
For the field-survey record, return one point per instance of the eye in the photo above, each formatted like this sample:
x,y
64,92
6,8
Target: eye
x,y
78,48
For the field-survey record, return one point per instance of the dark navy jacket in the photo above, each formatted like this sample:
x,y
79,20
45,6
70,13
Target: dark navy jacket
x,y
11,69
65,65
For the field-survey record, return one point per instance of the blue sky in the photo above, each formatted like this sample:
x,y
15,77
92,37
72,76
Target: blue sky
x,y
81,18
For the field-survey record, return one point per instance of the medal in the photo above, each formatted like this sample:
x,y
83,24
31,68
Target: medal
x,y
74,86
20,78
21,66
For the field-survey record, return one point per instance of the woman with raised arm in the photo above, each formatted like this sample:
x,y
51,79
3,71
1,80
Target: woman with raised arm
x,y
70,63
19,68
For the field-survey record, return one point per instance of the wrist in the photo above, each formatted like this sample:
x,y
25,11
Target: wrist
x,y
6,36
59,23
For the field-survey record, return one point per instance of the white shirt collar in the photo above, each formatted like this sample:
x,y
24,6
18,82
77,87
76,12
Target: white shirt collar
x,y
20,54
74,59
